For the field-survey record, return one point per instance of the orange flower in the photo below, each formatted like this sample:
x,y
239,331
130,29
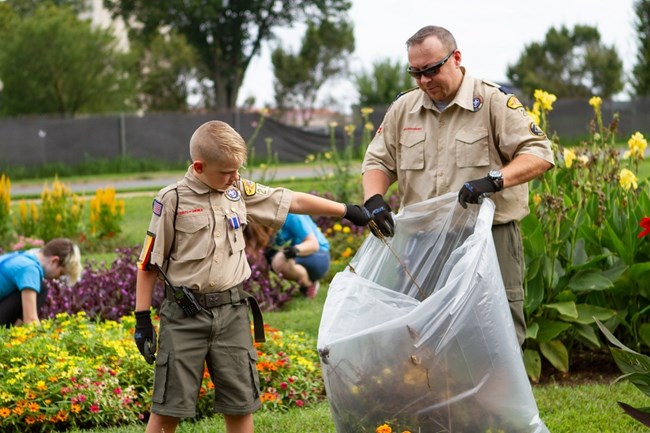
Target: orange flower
x,y
75,408
4,412
33,407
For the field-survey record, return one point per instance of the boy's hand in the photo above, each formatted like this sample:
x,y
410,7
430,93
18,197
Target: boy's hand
x,y
356,215
290,252
145,336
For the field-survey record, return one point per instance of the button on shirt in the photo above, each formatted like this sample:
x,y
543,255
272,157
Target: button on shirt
x,y
430,153
207,252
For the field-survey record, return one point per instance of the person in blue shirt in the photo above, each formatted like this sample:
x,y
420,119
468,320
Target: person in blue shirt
x,y
302,253
22,278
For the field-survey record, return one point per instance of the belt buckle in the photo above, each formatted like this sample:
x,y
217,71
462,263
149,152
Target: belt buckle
x,y
213,299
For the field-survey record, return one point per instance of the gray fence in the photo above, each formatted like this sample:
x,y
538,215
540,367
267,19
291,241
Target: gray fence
x,y
39,140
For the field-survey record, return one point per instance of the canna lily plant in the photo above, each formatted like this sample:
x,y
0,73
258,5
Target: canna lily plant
x,y
583,258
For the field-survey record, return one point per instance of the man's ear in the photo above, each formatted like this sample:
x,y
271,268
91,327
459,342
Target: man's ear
x,y
198,166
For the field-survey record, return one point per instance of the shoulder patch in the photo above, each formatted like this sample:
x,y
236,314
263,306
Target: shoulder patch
x,y
535,130
250,187
157,207
514,103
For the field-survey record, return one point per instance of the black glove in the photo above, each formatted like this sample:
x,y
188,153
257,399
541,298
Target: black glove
x,y
145,335
380,212
475,190
290,252
356,215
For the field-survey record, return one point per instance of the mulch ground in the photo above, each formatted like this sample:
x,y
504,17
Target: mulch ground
x,y
584,368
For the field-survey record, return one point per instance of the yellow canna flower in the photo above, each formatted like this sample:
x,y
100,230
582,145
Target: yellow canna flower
x,y
545,99
637,144
333,124
368,126
349,129
569,157
365,111
627,179
537,199
596,102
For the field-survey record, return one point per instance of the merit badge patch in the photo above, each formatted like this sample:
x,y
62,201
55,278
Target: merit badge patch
x,y
477,103
535,130
513,103
232,194
157,207
250,187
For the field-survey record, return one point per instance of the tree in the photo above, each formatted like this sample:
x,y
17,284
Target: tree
x,y
55,63
166,64
641,71
323,56
27,7
383,83
569,64
226,34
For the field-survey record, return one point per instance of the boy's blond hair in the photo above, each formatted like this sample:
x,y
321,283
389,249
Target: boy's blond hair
x,y
216,141
68,254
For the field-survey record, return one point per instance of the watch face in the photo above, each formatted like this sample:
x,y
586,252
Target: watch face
x,y
495,174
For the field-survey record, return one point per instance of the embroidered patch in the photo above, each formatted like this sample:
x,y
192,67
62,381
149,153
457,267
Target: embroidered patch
x,y
381,128
514,103
535,130
157,207
232,194
250,187
262,189
477,103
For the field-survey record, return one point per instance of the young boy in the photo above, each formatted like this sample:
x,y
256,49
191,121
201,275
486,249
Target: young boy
x,y
196,235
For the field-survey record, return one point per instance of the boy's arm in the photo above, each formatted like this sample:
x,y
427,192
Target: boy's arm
x,y
144,286
30,310
309,204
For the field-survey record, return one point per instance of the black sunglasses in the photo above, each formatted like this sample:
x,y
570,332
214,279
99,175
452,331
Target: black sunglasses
x,y
431,70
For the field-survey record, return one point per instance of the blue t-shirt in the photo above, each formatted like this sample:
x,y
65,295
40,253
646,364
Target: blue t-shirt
x,y
296,228
18,271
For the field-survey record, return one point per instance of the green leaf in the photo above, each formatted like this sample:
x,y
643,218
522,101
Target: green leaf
x,y
631,362
615,272
620,247
556,353
550,329
589,281
531,331
533,364
641,414
640,380
610,337
534,293
588,314
638,270
587,334
566,309
644,333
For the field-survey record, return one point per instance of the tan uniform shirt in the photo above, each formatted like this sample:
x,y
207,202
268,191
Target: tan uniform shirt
x,y
430,153
207,252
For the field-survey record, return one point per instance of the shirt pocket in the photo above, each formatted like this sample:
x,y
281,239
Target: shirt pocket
x,y
412,148
472,148
236,221
193,237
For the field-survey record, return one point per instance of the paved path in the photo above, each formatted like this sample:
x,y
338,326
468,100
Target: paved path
x,y
152,181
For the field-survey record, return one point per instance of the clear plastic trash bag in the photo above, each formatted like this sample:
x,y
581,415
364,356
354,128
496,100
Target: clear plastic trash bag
x,y
426,343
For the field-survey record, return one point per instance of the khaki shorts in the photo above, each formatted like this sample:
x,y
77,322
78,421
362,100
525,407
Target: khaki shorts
x,y
220,338
508,243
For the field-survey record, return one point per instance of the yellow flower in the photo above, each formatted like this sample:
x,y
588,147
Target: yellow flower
x,y
533,115
346,229
368,126
545,99
327,155
337,227
537,199
627,179
333,124
595,102
349,129
365,111
637,144
569,157
310,158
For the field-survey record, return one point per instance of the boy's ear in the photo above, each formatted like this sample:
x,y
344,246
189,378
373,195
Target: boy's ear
x,y
198,166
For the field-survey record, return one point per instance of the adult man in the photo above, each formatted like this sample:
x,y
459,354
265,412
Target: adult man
x,y
456,133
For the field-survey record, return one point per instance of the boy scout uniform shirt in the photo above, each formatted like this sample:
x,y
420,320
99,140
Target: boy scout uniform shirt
x,y
208,252
430,153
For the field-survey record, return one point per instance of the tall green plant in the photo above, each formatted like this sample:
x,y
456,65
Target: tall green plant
x,y
583,259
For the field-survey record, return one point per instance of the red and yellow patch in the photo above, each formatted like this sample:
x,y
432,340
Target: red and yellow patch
x,y
250,187
513,103
145,255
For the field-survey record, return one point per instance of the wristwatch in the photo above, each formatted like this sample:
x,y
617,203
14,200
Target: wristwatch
x,y
497,177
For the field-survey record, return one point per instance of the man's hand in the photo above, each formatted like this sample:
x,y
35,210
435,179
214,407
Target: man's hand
x,y
290,252
356,215
475,191
145,335
381,214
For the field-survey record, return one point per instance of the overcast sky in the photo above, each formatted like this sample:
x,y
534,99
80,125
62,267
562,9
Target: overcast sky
x,y
491,35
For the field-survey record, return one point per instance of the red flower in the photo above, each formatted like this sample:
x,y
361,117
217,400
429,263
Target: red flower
x,y
645,223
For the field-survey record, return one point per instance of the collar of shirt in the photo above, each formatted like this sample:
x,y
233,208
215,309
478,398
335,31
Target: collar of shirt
x,y
194,183
464,97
